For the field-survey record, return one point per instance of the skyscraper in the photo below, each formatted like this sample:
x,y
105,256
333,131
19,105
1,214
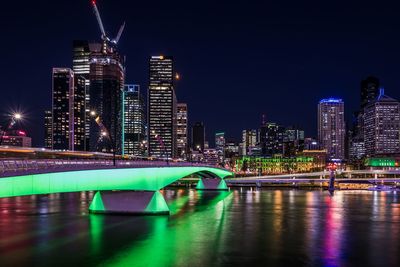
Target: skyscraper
x,y
382,126
369,90
161,108
68,111
271,139
331,127
134,121
182,130
62,108
48,129
249,141
79,113
198,136
81,67
107,77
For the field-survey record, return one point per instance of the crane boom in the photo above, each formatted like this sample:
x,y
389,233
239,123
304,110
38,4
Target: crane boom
x,y
116,39
99,21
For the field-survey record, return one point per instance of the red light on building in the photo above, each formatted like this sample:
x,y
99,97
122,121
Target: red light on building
x,y
332,166
21,133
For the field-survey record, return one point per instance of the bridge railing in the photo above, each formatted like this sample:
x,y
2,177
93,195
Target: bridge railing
x,y
8,166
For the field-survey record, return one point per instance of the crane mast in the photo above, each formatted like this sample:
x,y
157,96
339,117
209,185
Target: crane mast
x,y
116,39
104,36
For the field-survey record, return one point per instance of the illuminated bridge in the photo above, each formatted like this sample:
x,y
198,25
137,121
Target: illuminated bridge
x,y
137,183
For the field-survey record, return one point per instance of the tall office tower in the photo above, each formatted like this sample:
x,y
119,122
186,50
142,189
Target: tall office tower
x,y
293,141
331,127
48,129
369,90
78,115
271,139
198,136
81,58
382,126
182,130
68,110
161,108
249,141
107,77
81,67
62,91
134,121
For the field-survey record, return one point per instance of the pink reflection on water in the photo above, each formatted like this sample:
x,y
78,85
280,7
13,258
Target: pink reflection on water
x,y
333,234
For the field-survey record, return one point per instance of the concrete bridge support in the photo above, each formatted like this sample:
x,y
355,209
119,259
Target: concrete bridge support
x,y
211,184
129,202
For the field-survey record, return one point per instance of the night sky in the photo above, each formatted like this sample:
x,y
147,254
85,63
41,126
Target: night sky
x,y
237,59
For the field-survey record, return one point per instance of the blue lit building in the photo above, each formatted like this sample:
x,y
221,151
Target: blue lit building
x,y
331,127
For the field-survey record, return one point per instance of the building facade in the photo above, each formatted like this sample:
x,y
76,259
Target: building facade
x,y
182,130
161,106
68,111
271,139
198,136
331,127
369,90
278,164
382,126
48,129
62,108
107,77
293,141
220,145
81,54
249,140
134,121
17,138
79,113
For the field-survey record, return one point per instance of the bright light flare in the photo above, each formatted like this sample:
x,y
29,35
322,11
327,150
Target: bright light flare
x,y
17,116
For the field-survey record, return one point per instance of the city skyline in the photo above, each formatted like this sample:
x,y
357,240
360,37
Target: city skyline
x,y
237,66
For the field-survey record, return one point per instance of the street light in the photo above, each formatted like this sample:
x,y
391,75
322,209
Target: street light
x,y
17,116
104,133
160,141
13,120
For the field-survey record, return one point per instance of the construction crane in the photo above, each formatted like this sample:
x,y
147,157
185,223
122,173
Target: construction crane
x,y
104,36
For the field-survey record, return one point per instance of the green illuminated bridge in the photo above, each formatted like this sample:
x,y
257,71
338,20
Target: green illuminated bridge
x,y
119,190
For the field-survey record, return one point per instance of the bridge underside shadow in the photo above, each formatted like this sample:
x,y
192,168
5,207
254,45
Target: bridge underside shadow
x,y
147,202
208,181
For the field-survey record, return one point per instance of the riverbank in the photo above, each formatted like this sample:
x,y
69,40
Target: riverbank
x,y
321,185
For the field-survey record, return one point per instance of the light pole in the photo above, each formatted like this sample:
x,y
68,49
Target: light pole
x,y
104,133
160,141
14,118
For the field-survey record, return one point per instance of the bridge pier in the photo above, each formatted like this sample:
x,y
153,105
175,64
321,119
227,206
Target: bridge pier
x,y
211,184
129,202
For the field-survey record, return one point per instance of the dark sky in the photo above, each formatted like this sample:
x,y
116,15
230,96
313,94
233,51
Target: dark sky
x,y
238,59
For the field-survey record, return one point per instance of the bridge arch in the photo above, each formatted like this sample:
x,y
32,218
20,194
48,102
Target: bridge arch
x,y
140,179
138,187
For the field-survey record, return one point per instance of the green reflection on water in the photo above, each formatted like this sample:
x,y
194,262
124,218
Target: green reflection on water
x,y
173,242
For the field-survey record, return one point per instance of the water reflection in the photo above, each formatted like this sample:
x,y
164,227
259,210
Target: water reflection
x,y
237,228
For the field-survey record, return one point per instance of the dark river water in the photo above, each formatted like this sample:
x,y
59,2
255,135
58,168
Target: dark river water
x,y
237,228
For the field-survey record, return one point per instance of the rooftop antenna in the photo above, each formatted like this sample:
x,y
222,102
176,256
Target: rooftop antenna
x,y
263,121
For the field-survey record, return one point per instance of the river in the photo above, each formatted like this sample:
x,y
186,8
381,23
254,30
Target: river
x,y
241,227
